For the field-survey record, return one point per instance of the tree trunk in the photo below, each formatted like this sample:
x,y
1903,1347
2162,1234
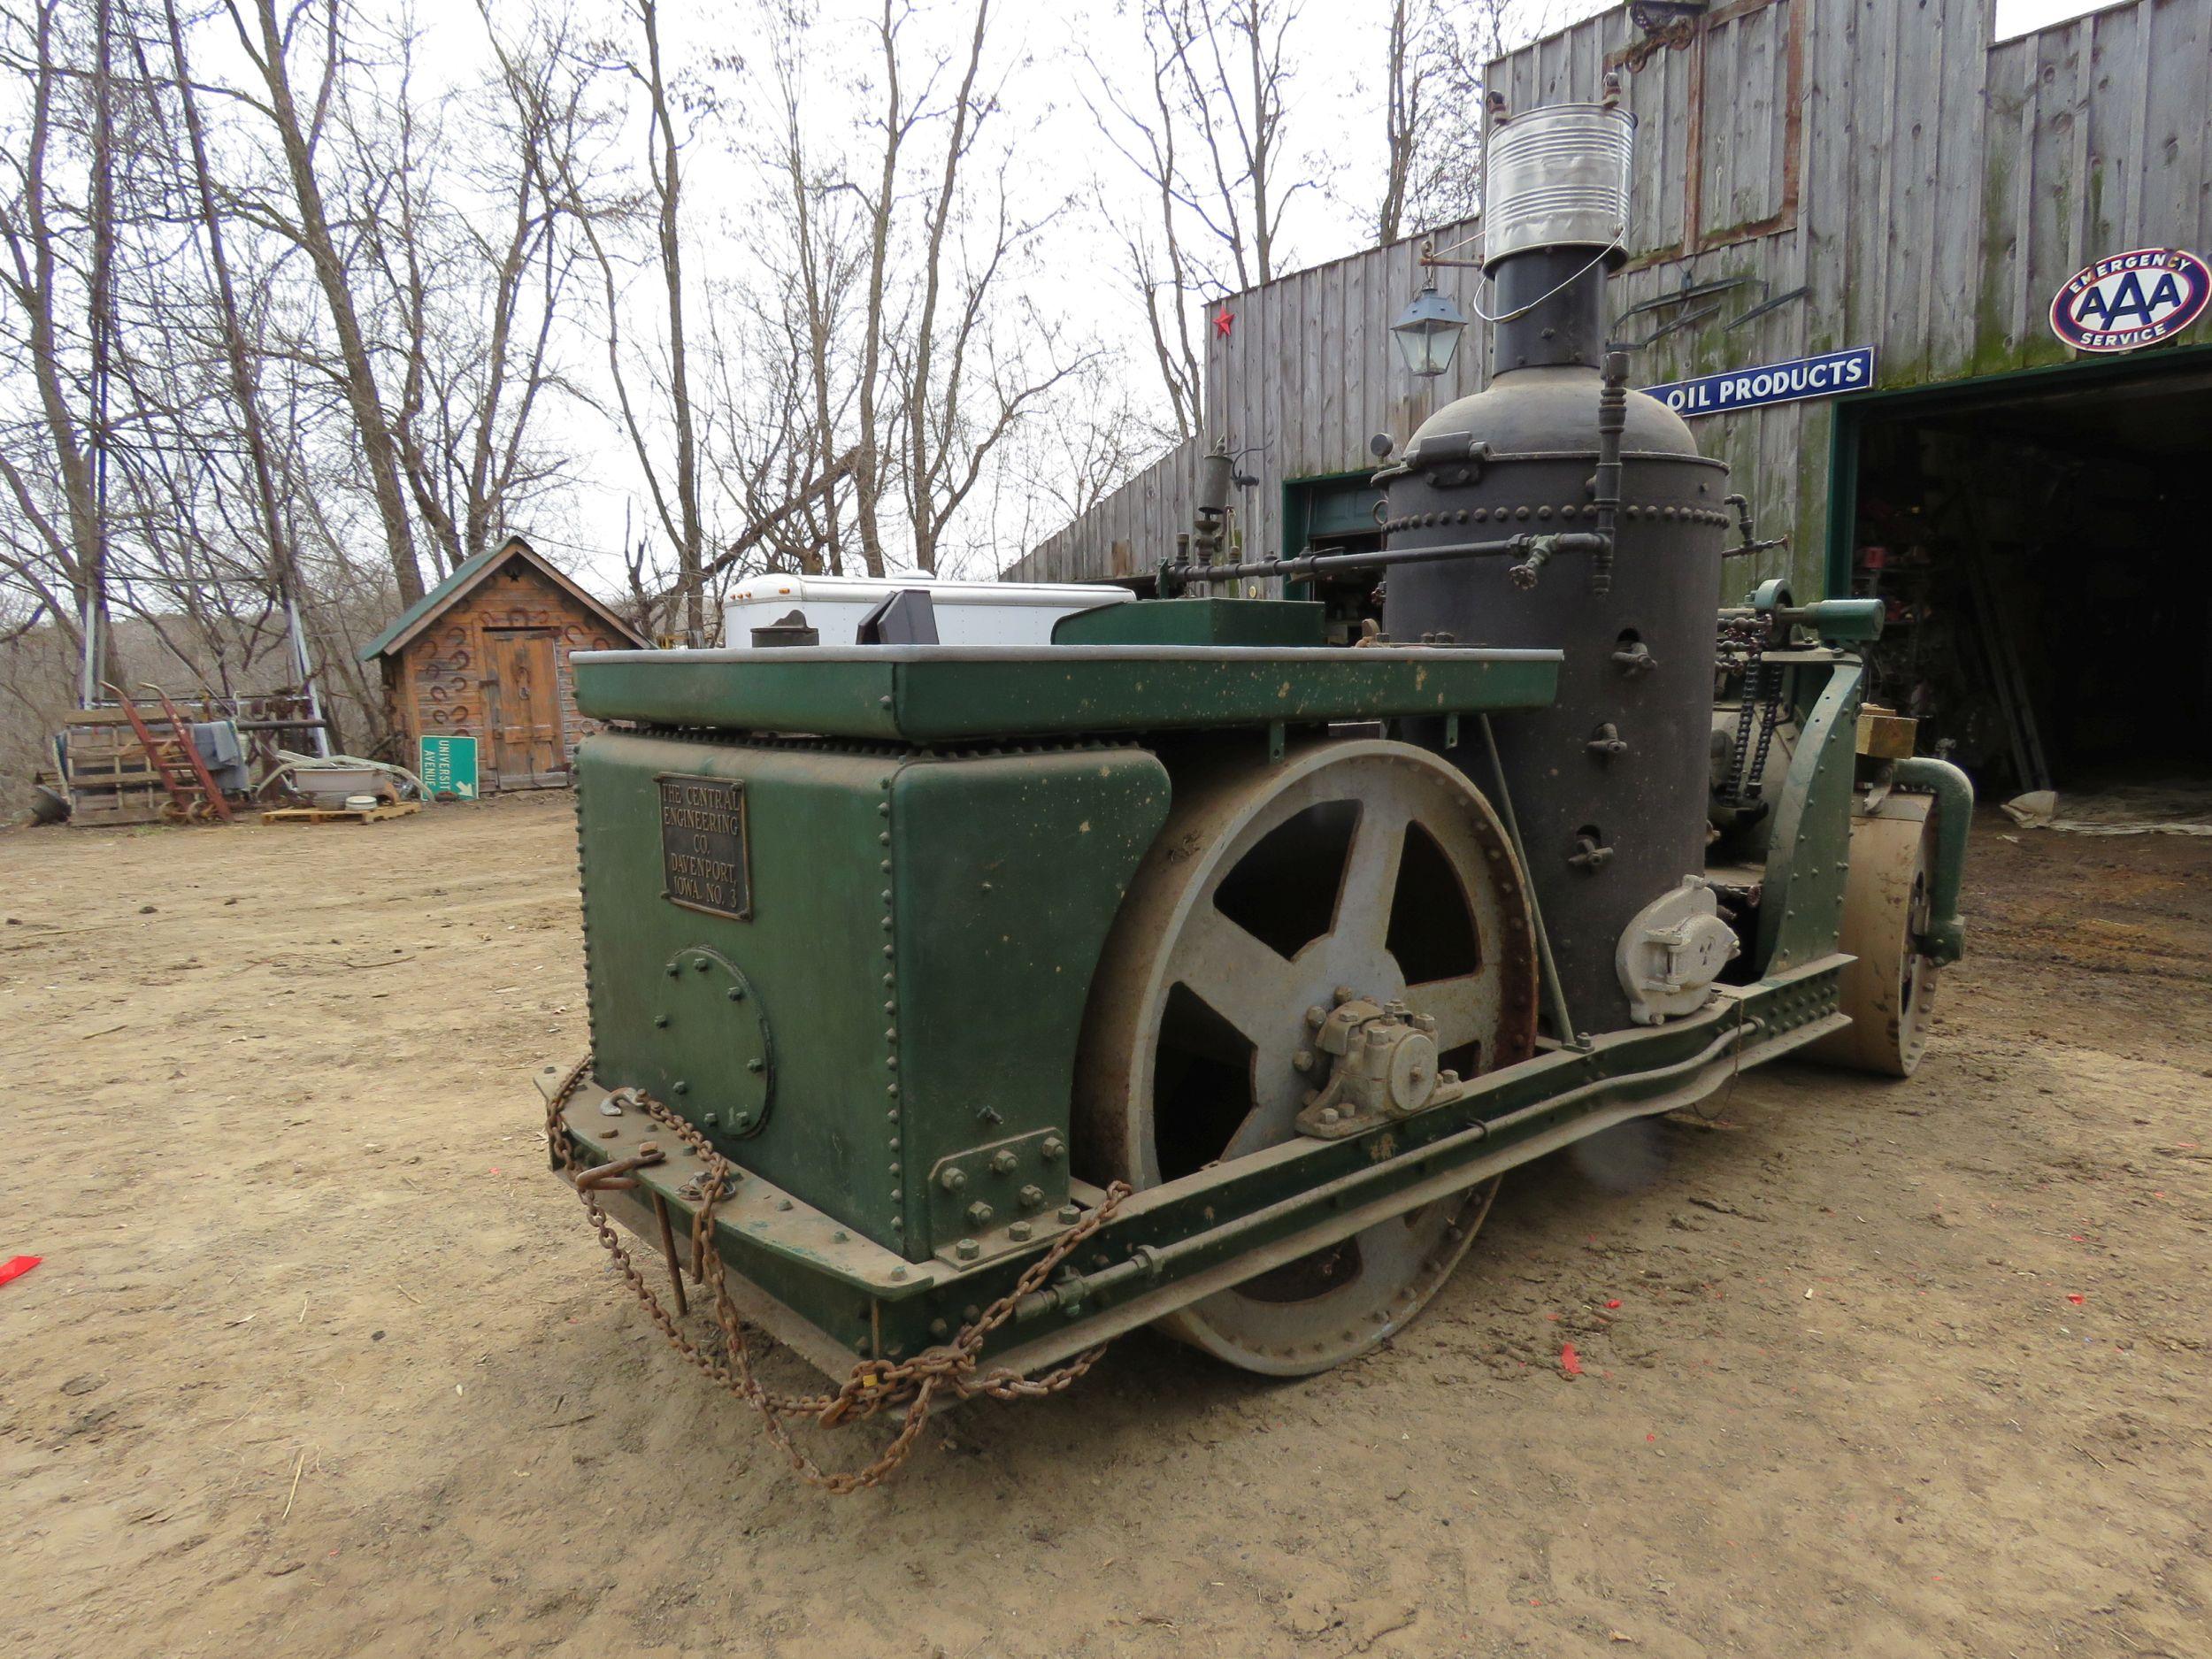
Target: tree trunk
x,y
668,184
378,450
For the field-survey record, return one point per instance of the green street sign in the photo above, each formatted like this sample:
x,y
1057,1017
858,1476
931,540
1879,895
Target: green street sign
x,y
447,765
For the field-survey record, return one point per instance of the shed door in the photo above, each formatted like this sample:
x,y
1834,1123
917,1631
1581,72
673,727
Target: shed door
x,y
522,694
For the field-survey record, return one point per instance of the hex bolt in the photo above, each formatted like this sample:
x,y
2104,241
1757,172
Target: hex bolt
x,y
953,1179
1343,995
702,965
708,1120
1317,1016
967,1249
660,1021
979,1214
1069,1214
736,994
1302,1060
740,1120
1018,1233
1032,1197
757,1064
675,968
1050,1148
680,1087
1003,1161
939,1329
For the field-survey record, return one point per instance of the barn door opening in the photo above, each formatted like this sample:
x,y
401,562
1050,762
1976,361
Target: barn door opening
x,y
1339,513
2036,542
522,709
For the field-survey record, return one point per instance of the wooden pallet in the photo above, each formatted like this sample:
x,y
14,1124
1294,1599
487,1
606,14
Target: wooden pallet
x,y
339,814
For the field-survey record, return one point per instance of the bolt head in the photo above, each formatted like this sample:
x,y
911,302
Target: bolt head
x,y
757,1064
953,1179
1069,1214
1005,1163
1050,1148
1317,1016
660,1021
1302,1060
979,1214
1330,1115
1032,1197
967,1249
1342,994
1018,1233
680,1087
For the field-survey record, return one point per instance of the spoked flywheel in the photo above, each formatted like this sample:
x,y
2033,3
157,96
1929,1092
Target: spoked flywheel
x,y
1890,986
1353,869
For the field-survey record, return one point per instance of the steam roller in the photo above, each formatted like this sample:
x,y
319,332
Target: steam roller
x,y
956,1008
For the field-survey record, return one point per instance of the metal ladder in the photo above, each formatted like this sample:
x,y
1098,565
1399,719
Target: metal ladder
x,y
197,797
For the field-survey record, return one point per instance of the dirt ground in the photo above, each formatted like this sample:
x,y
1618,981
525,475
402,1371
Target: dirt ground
x,y
321,1361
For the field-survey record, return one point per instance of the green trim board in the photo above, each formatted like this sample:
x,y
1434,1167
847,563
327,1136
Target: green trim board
x,y
1329,504
925,694
1853,413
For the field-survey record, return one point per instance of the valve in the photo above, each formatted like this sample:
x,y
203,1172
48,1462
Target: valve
x,y
1607,741
1588,855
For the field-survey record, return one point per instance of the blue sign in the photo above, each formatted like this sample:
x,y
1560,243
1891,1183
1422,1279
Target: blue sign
x,y
2131,299
1824,376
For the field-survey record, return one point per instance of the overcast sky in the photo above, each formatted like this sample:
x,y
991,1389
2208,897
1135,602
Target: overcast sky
x,y
1045,53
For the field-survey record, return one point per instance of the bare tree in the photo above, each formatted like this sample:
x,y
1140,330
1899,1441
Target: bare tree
x,y
267,47
59,556
1435,51
1212,145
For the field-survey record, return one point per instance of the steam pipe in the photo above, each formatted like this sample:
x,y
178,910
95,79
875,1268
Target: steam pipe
x,y
1173,576
1944,941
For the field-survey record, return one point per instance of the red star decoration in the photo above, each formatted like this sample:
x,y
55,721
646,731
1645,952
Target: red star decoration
x,y
1223,323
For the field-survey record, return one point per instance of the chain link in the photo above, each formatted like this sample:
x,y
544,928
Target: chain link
x,y
874,1385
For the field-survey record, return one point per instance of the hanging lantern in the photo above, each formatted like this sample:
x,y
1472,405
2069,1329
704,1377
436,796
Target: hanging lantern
x,y
1427,333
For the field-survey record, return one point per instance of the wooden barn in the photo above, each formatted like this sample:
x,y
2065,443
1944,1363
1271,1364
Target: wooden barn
x,y
486,653
1934,287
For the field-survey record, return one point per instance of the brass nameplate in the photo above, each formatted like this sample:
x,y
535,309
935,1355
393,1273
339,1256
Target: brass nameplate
x,y
703,862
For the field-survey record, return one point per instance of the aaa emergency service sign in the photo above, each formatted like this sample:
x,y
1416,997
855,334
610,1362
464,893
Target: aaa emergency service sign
x,y
2131,299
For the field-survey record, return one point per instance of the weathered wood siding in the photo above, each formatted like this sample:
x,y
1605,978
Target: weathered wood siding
x,y
1929,190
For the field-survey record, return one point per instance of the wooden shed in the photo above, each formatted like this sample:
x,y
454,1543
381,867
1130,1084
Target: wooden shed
x,y
486,654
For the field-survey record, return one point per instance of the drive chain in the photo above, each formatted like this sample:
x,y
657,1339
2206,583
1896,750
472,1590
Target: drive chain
x,y
874,1385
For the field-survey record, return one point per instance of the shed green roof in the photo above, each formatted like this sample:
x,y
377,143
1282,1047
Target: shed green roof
x,y
465,575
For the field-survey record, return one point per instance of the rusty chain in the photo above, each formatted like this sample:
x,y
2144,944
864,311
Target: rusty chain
x,y
874,1385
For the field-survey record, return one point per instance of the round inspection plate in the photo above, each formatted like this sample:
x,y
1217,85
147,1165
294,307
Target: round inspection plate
x,y
709,1052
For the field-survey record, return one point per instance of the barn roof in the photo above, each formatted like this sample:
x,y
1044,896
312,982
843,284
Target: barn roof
x,y
466,575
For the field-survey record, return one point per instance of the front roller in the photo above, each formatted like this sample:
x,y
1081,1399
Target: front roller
x,y
1890,986
1353,872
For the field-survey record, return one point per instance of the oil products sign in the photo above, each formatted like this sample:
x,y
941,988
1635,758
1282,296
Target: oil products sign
x,y
1824,376
2131,299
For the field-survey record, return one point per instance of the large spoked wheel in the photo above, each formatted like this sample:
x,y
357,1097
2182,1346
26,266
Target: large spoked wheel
x,y
1357,867
1890,988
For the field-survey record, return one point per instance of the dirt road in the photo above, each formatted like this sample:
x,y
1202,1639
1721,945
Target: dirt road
x,y
321,1361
